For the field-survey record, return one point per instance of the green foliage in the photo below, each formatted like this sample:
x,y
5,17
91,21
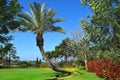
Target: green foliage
x,y
79,63
24,64
44,65
103,28
63,50
102,20
64,54
8,11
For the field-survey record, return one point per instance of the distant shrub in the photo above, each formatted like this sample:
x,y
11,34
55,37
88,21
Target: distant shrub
x,y
64,64
44,65
81,67
80,62
24,64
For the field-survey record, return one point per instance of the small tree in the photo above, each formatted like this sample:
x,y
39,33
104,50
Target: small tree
x,y
82,47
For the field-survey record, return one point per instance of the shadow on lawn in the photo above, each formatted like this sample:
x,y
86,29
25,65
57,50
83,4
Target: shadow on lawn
x,y
57,76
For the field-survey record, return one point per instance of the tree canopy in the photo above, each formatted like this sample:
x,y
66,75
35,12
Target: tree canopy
x,y
103,29
8,23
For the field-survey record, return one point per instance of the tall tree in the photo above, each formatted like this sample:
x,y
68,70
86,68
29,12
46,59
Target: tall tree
x,y
39,22
8,11
104,25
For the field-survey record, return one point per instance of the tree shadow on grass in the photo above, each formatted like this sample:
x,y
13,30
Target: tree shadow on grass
x,y
57,76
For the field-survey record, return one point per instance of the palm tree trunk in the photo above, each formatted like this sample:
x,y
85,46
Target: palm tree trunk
x,y
40,43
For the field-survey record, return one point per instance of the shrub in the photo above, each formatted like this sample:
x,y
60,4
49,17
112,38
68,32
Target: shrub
x,y
81,67
91,65
114,72
44,65
24,64
105,68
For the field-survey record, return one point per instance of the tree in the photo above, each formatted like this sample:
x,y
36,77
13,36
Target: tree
x,y
37,60
64,53
8,11
11,54
40,22
104,24
81,46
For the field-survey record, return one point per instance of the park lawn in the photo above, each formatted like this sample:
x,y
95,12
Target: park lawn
x,y
43,74
83,75
25,74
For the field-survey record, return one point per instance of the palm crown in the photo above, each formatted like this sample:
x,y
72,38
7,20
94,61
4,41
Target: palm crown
x,y
41,20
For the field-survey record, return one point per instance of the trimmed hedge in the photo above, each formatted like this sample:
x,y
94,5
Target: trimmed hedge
x,y
104,68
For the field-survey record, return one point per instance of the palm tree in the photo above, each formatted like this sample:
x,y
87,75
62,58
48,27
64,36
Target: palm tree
x,y
40,22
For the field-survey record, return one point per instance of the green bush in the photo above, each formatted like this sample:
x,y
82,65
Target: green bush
x,y
24,64
81,67
44,65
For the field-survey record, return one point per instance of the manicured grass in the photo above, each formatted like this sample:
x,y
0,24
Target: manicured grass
x,y
83,75
25,74
43,74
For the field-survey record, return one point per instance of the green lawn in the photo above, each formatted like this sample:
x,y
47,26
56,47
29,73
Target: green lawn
x,y
84,75
43,74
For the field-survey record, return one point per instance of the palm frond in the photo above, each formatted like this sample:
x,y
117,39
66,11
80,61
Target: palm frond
x,y
43,11
51,13
37,7
38,10
26,24
33,10
55,29
55,20
34,13
26,16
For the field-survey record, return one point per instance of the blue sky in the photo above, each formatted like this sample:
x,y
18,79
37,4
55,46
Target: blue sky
x,y
70,10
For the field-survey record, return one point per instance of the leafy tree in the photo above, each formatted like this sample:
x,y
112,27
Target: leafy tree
x,y
63,54
81,46
65,49
104,25
11,54
8,10
40,22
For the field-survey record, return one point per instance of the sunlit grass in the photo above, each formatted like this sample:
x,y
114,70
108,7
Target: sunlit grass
x,y
83,75
45,74
71,69
26,74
